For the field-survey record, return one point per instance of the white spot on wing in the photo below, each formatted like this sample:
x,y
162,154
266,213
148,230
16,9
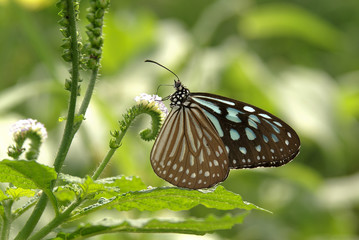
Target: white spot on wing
x,y
243,150
278,123
264,115
258,148
191,160
249,109
217,99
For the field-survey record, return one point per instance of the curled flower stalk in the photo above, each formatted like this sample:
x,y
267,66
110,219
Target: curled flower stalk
x,y
27,129
146,104
152,105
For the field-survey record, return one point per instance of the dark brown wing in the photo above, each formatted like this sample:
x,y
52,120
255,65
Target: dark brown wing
x,y
188,151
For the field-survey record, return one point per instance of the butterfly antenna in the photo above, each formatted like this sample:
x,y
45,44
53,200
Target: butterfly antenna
x,y
161,85
151,61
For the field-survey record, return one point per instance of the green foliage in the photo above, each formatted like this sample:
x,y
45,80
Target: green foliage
x,y
124,194
16,193
188,226
27,174
177,199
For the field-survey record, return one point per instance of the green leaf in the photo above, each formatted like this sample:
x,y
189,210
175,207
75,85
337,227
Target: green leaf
x,y
123,183
286,20
27,174
188,226
3,196
16,193
89,187
64,194
106,187
175,199
67,178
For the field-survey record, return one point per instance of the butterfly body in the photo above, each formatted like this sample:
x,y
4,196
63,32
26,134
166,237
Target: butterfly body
x,y
206,135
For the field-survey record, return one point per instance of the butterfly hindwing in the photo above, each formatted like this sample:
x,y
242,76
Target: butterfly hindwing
x,y
188,151
252,136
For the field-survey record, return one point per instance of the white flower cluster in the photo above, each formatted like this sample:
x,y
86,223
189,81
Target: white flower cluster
x,y
153,101
21,127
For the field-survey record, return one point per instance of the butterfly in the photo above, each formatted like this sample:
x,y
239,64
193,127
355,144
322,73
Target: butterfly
x,y
206,135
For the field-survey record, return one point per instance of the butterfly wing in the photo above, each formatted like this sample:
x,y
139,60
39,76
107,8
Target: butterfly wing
x,y
252,136
188,151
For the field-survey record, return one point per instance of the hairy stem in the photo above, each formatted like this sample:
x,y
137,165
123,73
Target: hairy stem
x,y
7,219
108,157
129,117
67,136
86,101
56,221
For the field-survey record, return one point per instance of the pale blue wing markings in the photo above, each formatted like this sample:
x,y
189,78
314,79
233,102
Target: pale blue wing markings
x,y
234,134
250,134
274,137
243,150
264,115
215,123
275,128
278,123
252,123
216,99
208,104
249,109
254,118
232,115
258,148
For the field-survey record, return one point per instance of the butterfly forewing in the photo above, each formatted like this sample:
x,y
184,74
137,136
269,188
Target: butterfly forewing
x,y
188,151
252,136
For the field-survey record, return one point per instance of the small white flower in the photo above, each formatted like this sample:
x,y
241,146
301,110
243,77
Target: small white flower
x,y
21,127
152,101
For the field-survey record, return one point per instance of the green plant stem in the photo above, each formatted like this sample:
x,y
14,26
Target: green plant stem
x,y
67,137
33,219
103,164
62,217
108,157
125,124
86,101
56,221
6,220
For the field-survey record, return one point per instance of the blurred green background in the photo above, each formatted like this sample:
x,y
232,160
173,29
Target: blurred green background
x,y
297,59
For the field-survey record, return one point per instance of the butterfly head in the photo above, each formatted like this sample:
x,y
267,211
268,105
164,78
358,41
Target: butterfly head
x,y
180,96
